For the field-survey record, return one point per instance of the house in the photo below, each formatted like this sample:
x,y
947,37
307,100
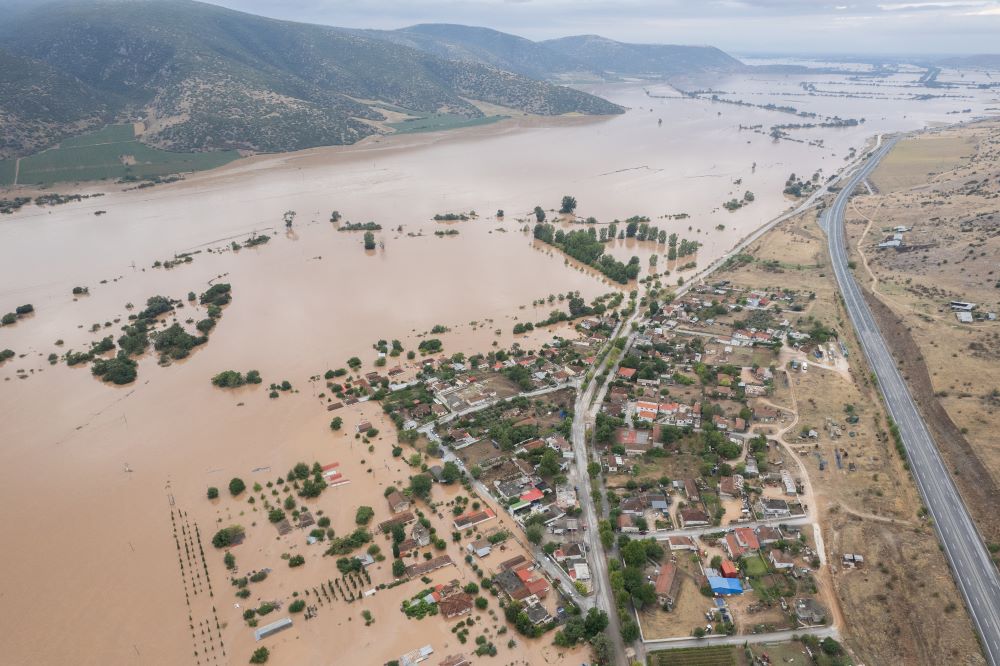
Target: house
x,y
480,547
809,612
455,660
402,519
625,524
272,628
613,463
421,535
788,482
766,535
729,569
725,586
571,551
853,560
692,517
626,373
532,496
397,502
667,584
731,487
750,467
423,568
513,563
780,560
773,508
537,613
580,571
691,490
634,506
414,657
456,605
472,519
364,426
741,541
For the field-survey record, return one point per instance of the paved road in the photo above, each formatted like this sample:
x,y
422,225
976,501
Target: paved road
x,y
739,639
599,579
975,574
663,535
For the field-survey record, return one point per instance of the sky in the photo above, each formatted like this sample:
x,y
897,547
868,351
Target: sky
x,y
898,27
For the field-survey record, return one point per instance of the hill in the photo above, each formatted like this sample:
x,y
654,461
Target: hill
x,y
484,46
207,78
602,54
587,55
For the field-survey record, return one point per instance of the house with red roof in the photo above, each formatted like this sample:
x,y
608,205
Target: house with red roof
x,y
626,373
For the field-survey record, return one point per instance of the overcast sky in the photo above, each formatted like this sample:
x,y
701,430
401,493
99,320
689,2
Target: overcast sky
x,y
743,26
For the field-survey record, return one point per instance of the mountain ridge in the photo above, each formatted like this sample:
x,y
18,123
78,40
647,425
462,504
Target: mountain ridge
x,y
207,78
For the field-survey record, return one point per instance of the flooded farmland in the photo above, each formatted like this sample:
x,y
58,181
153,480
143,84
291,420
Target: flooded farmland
x,y
93,476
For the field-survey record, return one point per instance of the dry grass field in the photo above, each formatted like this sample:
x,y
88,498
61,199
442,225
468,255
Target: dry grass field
x,y
950,253
904,607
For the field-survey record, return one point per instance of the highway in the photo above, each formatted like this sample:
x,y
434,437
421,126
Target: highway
x,y
971,566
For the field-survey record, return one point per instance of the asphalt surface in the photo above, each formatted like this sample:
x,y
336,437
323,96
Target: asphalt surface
x,y
972,568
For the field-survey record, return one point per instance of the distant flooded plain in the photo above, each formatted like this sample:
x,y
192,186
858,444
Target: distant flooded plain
x,y
90,565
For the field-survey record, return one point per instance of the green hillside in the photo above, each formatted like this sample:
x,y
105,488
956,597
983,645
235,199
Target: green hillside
x,y
214,79
110,153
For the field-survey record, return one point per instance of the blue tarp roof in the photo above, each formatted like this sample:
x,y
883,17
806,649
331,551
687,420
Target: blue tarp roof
x,y
725,585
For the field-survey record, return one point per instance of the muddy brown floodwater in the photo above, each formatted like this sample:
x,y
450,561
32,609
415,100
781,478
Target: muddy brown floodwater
x,y
90,564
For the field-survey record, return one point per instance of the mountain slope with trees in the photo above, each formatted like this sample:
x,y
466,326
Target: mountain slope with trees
x,y
207,78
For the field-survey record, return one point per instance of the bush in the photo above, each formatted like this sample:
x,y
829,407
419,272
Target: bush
x,y
296,561
296,606
260,656
228,379
118,370
213,492
364,515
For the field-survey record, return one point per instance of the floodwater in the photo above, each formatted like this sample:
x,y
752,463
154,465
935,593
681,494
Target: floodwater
x,y
90,569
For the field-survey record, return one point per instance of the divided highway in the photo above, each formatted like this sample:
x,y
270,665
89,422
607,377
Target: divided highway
x,y
972,568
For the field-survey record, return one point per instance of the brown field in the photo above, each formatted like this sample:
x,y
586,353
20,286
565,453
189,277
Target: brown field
x,y
954,368
872,510
914,160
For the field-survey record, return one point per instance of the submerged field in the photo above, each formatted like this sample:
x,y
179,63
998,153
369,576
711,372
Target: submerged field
x,y
110,153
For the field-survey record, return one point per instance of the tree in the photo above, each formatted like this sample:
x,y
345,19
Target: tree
x,y
213,493
260,656
539,214
229,560
398,568
568,205
336,423
297,606
236,486
354,362
364,515
593,469
420,485
481,603
451,472
369,240
595,622
549,464
535,534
